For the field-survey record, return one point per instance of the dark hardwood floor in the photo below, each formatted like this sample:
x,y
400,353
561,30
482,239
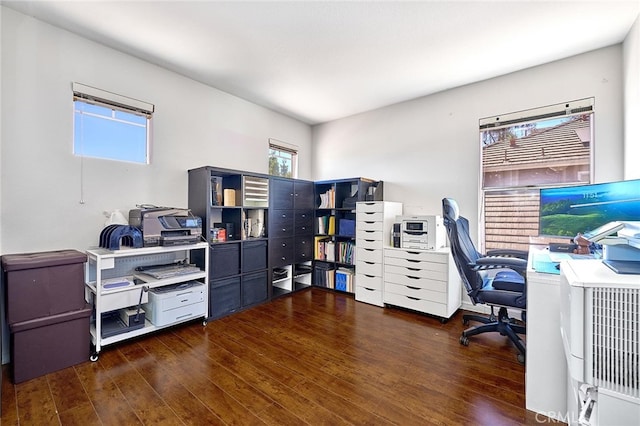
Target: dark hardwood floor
x,y
316,357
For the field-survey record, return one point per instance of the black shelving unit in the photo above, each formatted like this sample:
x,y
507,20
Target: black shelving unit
x,y
234,207
267,249
335,230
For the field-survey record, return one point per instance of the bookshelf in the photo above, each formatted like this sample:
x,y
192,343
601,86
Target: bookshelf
x,y
334,238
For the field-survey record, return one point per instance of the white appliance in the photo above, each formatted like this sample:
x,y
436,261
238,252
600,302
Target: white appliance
x,y
600,326
422,232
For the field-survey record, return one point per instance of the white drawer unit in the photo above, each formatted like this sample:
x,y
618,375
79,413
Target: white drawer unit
x,y
374,221
422,280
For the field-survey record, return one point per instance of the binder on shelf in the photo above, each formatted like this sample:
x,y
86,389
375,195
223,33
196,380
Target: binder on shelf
x,y
330,251
347,227
344,280
331,230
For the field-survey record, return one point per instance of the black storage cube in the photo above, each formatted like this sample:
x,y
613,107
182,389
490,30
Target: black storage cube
x,y
254,288
254,256
224,297
225,260
43,284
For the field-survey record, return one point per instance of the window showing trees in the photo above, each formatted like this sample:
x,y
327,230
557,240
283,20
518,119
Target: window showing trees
x,y
282,160
522,152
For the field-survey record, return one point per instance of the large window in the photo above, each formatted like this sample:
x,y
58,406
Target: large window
x,y
523,152
283,159
110,126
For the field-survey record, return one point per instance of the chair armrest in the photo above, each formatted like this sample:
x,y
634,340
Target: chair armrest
x,y
520,254
494,262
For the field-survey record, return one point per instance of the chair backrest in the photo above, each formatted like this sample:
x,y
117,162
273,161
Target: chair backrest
x,y
463,250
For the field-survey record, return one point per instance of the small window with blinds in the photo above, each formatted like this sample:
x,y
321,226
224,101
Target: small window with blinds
x,y
523,152
283,159
110,126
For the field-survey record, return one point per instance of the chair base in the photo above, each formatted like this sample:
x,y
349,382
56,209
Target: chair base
x,y
502,324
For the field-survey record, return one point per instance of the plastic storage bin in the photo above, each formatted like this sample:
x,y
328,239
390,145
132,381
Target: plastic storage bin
x,y
44,345
43,284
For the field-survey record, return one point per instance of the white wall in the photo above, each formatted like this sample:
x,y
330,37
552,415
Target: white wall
x,y
194,125
632,102
428,148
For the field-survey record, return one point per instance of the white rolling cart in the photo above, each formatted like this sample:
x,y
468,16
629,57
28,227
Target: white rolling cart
x,y
118,282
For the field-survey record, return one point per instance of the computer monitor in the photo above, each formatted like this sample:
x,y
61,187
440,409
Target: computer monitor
x,y
567,211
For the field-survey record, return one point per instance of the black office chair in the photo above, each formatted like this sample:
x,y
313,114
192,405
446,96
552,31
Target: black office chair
x,y
497,279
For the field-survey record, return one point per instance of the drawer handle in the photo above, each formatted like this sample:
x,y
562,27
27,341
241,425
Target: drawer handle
x,y
370,276
369,263
368,249
413,288
413,252
284,215
413,269
284,244
283,258
413,278
413,298
284,229
370,241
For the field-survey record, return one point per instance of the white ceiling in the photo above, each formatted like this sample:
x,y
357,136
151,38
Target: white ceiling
x,y
322,60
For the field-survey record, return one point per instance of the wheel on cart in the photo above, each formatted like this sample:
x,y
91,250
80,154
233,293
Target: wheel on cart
x,y
93,357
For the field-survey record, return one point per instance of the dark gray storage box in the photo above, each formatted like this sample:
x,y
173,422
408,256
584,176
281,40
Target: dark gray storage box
x,y
43,284
254,256
45,345
225,260
255,288
224,296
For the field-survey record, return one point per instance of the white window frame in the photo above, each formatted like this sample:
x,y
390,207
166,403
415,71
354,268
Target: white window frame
x,y
277,145
83,94
563,110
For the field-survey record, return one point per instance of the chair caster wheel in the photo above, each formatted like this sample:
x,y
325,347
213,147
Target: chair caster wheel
x,y
521,358
465,321
464,340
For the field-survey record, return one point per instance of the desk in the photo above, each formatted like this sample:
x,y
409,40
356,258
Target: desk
x,y
546,368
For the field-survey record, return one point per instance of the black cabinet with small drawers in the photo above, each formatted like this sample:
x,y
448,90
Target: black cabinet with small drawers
x,y
290,234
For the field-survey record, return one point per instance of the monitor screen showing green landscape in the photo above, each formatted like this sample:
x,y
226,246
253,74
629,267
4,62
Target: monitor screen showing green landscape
x,y
570,210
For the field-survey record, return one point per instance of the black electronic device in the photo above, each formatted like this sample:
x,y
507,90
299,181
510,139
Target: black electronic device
x,y
562,247
396,235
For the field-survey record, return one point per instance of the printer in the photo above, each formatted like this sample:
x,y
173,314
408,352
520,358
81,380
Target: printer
x,y
166,226
419,232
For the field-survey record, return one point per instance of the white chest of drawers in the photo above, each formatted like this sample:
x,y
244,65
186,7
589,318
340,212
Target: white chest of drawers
x,y
422,280
374,221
